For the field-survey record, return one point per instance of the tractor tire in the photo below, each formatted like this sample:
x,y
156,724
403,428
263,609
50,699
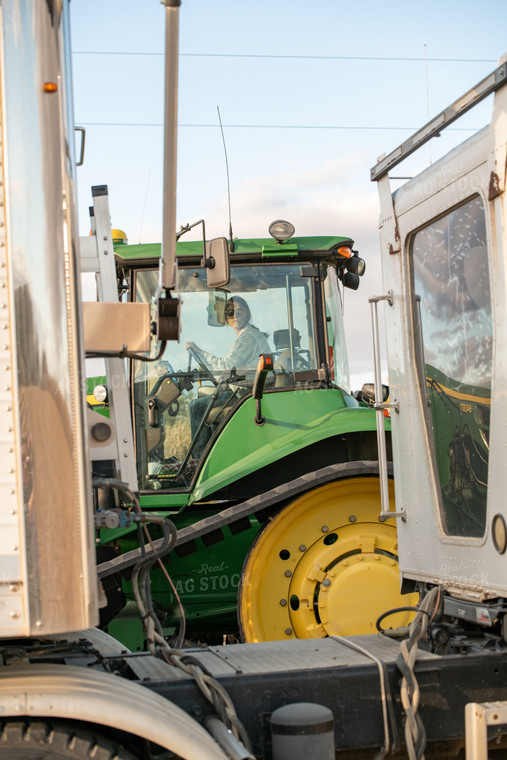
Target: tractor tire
x,y
56,740
324,565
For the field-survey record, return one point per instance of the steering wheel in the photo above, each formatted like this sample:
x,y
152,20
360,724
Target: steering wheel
x,y
201,364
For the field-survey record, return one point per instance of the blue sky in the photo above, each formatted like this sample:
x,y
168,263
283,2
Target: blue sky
x,y
310,94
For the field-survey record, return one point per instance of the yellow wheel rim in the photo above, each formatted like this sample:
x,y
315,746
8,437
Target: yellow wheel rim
x,y
324,566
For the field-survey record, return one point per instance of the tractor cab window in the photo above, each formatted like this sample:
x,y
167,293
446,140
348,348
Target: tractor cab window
x,y
181,400
451,283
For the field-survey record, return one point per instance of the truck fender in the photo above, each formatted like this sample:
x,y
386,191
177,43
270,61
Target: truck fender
x,y
91,696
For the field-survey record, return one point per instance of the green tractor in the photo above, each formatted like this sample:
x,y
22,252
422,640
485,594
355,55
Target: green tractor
x,y
246,434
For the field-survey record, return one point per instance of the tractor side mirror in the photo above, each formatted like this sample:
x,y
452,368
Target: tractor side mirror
x,y
217,263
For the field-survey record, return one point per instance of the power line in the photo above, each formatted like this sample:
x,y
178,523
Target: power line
x,y
294,57
263,126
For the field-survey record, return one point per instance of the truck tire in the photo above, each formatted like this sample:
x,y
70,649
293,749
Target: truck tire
x,y
56,740
324,565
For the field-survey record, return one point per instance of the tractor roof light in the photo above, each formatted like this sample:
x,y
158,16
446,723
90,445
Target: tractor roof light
x,y
281,230
353,263
350,280
356,265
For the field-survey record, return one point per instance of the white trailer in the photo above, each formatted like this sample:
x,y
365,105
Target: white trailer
x,y
48,582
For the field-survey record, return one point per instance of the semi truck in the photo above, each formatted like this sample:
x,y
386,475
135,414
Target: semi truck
x,y
69,690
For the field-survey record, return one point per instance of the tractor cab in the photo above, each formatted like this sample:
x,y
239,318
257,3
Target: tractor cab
x,y
281,298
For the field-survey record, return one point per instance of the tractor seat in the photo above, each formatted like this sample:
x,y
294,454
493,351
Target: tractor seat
x,y
283,358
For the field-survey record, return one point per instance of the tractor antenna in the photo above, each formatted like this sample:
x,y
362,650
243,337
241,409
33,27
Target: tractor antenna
x,y
231,242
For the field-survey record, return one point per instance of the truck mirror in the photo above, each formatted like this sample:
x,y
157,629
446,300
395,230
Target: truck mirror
x,y
217,263
216,309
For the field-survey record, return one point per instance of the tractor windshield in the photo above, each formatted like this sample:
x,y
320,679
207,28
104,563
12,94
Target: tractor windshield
x,y
181,400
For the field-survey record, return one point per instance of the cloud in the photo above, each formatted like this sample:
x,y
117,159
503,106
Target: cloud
x,y
334,198
332,173
319,201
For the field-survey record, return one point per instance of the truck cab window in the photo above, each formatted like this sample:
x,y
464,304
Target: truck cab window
x,y
451,278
